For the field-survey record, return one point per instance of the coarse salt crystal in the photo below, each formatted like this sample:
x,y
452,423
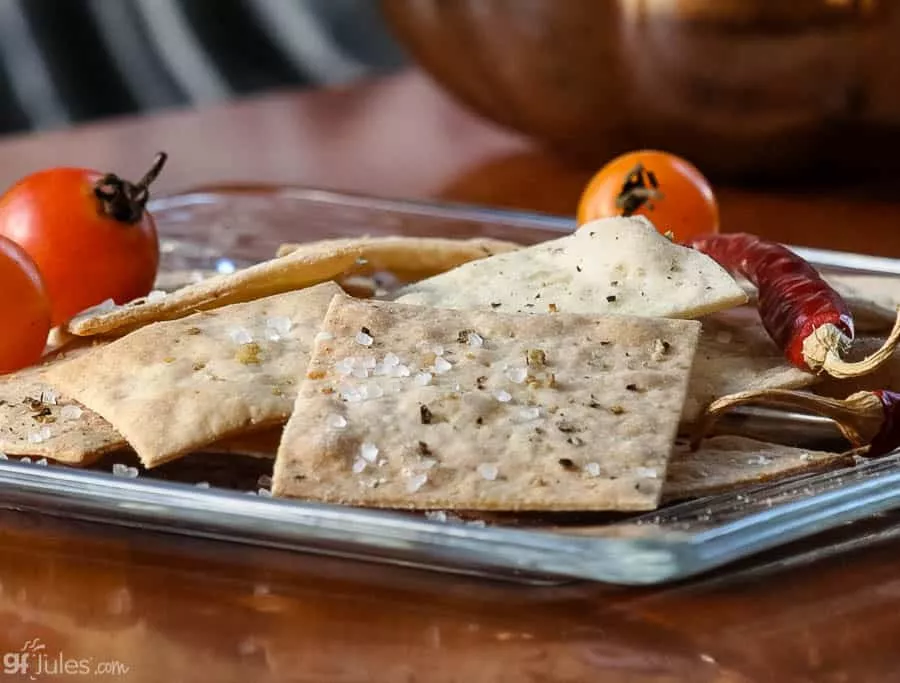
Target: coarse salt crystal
x,y
202,484
592,469
476,340
272,335
391,360
49,397
488,470
400,371
281,324
516,375
368,451
345,366
323,337
724,337
40,435
240,335
369,362
364,339
422,345
335,421
436,516
427,463
360,372
120,470
70,412
530,413
759,460
42,462
4,456
265,493
503,396
480,523
104,307
441,365
437,350
26,460
358,465
351,394
370,391
423,378
264,481
646,473
156,295
415,482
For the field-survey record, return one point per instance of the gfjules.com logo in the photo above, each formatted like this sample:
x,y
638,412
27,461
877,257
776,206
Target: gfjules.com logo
x,y
34,661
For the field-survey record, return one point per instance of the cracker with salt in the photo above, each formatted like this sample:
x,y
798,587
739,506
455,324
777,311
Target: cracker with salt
x,y
414,407
728,463
304,266
174,387
36,421
613,266
736,354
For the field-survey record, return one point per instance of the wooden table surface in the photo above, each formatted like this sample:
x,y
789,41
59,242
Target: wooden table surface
x,y
172,609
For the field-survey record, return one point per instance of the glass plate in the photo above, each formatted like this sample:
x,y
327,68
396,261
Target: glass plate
x,y
222,230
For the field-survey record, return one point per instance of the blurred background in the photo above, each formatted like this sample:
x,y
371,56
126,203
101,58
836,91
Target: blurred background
x,y
71,61
747,89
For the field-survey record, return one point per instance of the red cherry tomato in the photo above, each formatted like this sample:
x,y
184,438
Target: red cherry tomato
x,y
24,309
665,188
88,233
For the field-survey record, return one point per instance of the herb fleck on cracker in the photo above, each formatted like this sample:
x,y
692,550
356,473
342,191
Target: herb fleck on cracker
x,y
535,357
248,354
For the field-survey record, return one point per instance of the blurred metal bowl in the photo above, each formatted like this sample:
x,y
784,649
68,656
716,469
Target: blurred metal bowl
x,y
740,87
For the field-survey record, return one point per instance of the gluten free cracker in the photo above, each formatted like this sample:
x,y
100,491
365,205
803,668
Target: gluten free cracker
x,y
414,407
736,354
613,266
728,463
39,422
301,266
174,387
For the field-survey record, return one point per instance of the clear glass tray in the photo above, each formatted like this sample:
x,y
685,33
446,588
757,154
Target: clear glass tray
x,y
221,230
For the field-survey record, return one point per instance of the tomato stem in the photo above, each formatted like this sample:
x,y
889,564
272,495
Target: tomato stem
x,y
640,189
125,201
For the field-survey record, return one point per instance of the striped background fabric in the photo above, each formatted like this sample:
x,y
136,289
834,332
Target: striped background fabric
x,y
70,61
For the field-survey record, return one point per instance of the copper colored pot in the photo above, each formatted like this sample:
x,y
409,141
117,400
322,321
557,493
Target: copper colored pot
x,y
741,87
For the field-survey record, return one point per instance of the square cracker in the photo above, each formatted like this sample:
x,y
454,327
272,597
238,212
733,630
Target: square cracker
x,y
541,412
35,420
736,354
170,388
726,463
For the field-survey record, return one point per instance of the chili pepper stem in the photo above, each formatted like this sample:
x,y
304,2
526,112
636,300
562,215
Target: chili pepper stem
x,y
822,352
859,416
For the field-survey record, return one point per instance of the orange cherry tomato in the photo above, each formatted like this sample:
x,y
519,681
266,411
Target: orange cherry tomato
x,y
88,233
24,309
665,188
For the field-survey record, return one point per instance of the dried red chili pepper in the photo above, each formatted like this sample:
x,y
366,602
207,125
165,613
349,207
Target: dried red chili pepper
x,y
867,419
802,313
